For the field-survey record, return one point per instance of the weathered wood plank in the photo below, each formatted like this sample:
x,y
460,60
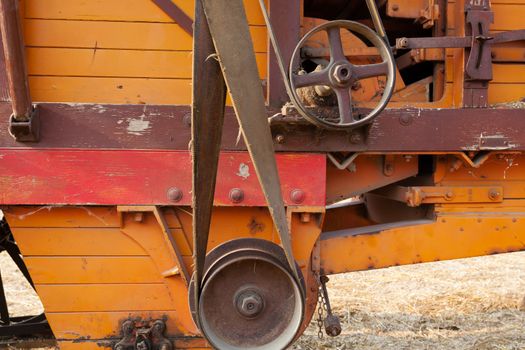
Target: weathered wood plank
x,y
92,269
115,63
118,10
105,297
109,35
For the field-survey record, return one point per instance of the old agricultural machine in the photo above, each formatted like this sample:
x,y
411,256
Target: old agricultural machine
x,y
185,175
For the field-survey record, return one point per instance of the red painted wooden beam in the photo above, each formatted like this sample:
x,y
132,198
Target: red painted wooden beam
x,y
132,177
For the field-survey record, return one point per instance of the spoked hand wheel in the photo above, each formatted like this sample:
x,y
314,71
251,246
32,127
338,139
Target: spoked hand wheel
x,y
340,75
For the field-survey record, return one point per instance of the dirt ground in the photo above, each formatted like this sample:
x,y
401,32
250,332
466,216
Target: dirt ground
x,y
462,304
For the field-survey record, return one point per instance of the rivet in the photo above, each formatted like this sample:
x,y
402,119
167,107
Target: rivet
x,y
395,7
355,138
405,119
174,194
236,195
297,196
187,120
279,138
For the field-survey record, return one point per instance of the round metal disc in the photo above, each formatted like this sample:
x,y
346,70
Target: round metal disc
x,y
250,300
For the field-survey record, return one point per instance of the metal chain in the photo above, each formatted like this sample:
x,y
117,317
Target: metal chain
x,y
321,308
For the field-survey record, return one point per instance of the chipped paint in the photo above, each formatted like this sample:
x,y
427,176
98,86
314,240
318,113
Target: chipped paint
x,y
244,171
510,164
138,126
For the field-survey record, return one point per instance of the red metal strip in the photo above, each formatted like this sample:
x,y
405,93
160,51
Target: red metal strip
x,y
130,177
176,14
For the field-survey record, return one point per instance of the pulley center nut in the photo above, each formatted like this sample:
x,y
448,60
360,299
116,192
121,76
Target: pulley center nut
x,y
342,73
249,303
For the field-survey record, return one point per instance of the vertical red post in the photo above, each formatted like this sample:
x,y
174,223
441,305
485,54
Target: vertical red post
x,y
23,123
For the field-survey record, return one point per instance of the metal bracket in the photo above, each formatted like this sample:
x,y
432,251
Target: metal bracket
x,y
142,335
26,130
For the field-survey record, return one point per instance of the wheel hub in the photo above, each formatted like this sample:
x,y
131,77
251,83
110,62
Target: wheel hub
x,y
249,302
341,74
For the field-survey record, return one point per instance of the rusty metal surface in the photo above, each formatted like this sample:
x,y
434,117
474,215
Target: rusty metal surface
x,y
250,298
456,41
176,14
229,29
209,96
417,195
353,182
167,127
285,18
140,334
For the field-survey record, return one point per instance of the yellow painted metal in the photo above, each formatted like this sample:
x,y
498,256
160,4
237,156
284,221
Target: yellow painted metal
x,y
466,231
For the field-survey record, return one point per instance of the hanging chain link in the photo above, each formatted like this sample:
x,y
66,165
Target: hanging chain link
x,y
321,308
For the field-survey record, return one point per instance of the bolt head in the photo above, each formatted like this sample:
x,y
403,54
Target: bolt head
x,y
342,73
236,195
249,303
174,194
297,196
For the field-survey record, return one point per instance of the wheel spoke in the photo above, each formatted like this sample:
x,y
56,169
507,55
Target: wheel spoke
x,y
311,79
344,102
370,70
336,45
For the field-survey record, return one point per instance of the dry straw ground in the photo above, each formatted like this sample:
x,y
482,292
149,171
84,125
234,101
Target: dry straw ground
x,y
463,304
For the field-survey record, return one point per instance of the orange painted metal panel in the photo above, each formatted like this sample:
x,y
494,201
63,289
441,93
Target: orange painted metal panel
x,y
453,236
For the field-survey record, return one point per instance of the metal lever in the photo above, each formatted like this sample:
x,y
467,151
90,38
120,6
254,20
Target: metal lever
x,y
332,324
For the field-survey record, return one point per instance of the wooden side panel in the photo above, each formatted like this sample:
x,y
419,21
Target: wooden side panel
x,y
104,297
115,51
93,268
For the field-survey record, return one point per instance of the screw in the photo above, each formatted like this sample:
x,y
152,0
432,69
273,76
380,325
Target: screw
x,y
175,194
236,195
494,194
279,138
297,196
